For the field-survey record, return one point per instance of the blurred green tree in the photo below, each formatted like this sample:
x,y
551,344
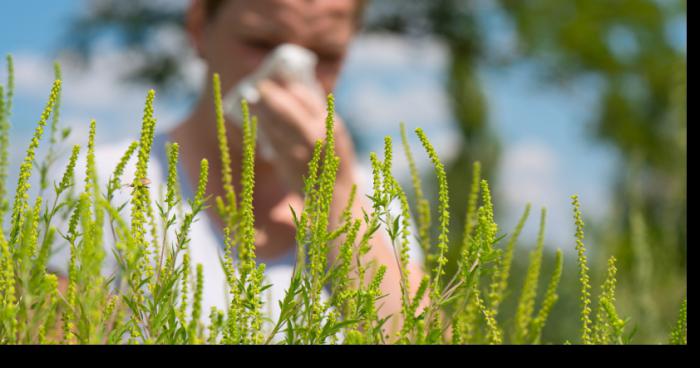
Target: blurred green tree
x,y
630,46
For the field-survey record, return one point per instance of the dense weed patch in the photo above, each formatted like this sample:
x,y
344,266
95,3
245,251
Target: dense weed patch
x,y
157,298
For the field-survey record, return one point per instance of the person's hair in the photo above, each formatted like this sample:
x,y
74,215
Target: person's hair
x,y
213,6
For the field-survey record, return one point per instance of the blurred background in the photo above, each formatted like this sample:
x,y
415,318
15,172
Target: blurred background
x,y
553,97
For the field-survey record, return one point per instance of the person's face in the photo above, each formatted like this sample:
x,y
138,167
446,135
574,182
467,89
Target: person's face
x,y
235,40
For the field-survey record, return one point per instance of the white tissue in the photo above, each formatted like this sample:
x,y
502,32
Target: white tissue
x,y
287,62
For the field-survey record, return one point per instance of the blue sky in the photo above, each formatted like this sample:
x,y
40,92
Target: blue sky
x,y
548,150
34,24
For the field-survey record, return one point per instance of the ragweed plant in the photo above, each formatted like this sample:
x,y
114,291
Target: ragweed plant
x,y
157,294
679,335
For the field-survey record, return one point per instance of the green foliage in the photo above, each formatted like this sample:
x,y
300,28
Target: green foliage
x,y
157,298
526,303
423,204
550,298
6,95
443,210
226,209
584,278
499,280
679,335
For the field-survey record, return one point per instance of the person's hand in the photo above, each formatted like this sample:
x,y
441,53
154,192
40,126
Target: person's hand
x,y
293,118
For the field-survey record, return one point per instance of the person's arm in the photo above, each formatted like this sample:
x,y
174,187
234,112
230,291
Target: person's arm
x,y
381,252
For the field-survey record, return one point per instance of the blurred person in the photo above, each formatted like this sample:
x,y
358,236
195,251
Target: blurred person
x,y
233,37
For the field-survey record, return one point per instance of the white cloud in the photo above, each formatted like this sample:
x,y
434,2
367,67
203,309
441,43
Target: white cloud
x,y
380,50
95,91
389,79
415,104
97,85
376,113
530,172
